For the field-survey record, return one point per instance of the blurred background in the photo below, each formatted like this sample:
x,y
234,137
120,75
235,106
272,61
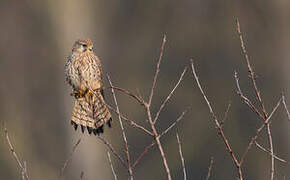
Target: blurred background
x,y
37,36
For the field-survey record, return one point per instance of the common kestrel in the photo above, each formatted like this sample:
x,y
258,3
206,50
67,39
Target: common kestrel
x,y
84,74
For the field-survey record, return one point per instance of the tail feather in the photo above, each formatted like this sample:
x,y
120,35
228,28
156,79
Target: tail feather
x,y
91,112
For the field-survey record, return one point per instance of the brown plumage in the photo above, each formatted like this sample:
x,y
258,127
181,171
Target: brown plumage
x,y
84,74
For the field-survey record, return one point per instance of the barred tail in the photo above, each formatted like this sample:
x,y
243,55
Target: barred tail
x,y
92,113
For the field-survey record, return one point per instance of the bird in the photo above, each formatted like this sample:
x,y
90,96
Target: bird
x,y
83,72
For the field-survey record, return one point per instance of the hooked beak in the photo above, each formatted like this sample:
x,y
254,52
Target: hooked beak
x,y
90,47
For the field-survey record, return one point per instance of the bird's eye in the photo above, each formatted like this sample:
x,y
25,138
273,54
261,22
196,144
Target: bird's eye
x,y
84,45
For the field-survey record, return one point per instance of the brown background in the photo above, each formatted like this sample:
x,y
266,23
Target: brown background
x,y
36,37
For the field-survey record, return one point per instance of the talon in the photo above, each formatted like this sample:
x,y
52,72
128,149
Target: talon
x,y
90,92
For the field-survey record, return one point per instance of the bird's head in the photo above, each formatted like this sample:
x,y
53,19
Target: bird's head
x,y
83,45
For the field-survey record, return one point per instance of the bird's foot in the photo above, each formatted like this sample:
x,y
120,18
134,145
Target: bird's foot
x,y
89,92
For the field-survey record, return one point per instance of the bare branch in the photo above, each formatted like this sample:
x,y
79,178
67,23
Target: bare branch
x,y
254,138
123,132
22,167
267,151
226,114
209,168
258,96
252,73
174,123
250,104
24,170
149,115
285,106
143,153
181,157
110,147
69,158
111,164
157,140
157,70
217,124
161,135
272,171
125,91
245,99
169,96
132,123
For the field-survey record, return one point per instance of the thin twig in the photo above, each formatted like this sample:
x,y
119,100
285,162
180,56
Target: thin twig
x,y
157,70
272,171
226,114
254,138
181,157
111,164
258,96
209,168
158,143
175,122
69,158
149,114
24,170
125,91
217,124
143,153
244,98
131,122
21,166
252,73
170,95
253,108
285,106
123,132
267,151
110,147
146,149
